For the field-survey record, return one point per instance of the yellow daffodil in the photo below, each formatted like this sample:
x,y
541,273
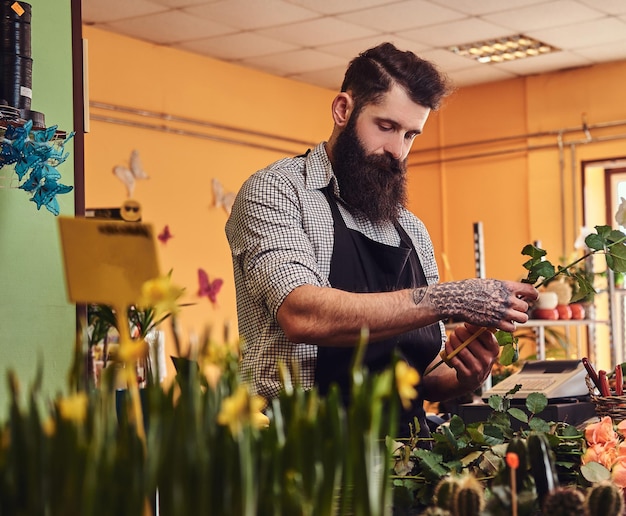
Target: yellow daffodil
x,y
407,379
48,427
130,351
73,408
162,295
241,408
212,372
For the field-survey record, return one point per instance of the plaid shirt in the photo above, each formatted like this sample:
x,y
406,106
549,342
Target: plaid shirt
x,y
281,236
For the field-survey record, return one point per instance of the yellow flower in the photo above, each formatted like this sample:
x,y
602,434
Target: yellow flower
x,y
160,294
130,351
215,358
407,378
73,408
240,408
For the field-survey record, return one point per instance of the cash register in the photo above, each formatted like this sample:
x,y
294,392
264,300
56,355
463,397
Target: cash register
x,y
561,381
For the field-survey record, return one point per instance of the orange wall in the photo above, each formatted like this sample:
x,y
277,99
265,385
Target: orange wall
x,y
516,195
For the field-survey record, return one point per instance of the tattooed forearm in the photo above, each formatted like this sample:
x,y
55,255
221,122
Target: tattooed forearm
x,y
418,294
481,302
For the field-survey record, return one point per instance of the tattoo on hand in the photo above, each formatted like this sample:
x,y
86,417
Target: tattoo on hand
x,y
480,302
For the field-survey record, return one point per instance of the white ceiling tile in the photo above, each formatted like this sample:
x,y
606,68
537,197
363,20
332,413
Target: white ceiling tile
x,y
169,27
581,35
546,14
310,33
245,14
601,53
402,16
295,62
352,48
98,12
457,32
615,7
591,30
539,64
233,47
478,7
339,6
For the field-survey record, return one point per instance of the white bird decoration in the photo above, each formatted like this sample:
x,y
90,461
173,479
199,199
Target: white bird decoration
x,y
129,175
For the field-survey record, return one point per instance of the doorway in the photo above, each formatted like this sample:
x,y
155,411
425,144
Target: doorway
x,y
603,186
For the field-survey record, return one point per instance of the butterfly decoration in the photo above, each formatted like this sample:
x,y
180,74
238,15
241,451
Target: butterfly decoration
x,y
165,234
222,199
129,175
206,288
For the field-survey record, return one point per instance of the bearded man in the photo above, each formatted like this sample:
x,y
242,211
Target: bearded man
x,y
323,246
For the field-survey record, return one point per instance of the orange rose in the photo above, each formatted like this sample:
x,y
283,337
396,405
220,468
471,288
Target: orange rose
x,y
618,473
601,432
603,453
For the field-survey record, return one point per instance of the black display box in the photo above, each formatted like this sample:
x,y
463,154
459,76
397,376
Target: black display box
x,y
572,411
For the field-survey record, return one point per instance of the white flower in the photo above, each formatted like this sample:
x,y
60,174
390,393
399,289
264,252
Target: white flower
x,y
620,216
585,231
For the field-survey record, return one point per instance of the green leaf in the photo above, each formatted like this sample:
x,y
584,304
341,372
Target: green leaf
x,y
616,257
595,472
536,402
534,252
509,354
539,425
431,462
496,402
595,242
457,425
518,414
504,337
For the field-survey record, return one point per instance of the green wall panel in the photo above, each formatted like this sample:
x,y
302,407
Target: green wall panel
x,y
37,323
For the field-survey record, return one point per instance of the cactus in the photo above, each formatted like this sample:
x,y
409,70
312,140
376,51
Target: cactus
x,y
446,491
435,511
565,501
542,465
604,498
469,499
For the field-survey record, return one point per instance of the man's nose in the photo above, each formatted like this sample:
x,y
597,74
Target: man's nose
x,y
395,146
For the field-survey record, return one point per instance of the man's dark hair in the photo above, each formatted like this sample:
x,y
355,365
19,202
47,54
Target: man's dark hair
x,y
372,73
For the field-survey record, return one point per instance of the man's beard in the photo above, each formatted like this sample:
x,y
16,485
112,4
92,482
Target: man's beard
x,y
373,184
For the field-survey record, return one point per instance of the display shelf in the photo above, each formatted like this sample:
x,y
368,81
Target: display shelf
x,y
540,325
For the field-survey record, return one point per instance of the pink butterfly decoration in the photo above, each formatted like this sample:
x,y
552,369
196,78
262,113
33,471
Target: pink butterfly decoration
x,y
207,288
165,235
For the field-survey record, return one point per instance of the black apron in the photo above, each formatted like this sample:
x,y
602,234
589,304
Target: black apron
x,y
360,264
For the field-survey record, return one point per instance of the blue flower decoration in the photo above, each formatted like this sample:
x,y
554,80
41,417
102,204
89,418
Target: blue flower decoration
x,y
36,155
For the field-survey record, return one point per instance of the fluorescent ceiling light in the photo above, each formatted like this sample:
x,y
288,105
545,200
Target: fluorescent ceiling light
x,y
503,49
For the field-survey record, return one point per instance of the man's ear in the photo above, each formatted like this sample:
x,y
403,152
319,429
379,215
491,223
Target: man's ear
x,y
342,107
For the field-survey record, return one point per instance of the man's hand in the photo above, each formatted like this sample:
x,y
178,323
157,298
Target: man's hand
x,y
483,302
473,363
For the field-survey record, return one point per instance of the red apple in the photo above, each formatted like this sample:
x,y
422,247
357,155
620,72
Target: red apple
x,y
578,311
565,312
546,313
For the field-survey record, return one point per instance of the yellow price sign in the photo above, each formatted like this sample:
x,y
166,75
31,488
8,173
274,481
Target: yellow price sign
x,y
107,262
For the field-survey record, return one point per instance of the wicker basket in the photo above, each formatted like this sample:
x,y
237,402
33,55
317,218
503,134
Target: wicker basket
x,y
613,406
